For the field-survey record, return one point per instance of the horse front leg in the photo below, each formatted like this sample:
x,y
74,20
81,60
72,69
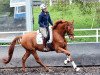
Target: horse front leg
x,y
69,59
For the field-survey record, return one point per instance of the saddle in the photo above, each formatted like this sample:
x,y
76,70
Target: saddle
x,y
39,38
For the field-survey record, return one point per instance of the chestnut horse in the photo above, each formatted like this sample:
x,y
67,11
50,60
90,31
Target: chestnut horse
x,y
59,43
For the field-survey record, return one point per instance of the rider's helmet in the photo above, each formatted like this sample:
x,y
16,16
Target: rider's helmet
x,y
43,6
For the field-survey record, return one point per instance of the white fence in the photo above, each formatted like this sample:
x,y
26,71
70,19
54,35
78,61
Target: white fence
x,y
7,37
10,38
89,36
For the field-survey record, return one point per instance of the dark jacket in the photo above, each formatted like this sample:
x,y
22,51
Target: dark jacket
x,y
44,19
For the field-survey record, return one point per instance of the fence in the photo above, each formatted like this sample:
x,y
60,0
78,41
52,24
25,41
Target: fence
x,y
7,37
10,38
96,36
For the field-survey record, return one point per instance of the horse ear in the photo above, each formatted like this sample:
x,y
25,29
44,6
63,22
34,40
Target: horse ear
x,y
63,21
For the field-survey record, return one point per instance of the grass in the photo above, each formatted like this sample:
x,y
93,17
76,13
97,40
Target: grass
x,y
99,39
85,40
2,43
99,32
71,13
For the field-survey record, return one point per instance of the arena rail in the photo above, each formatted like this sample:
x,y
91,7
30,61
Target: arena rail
x,y
97,35
4,38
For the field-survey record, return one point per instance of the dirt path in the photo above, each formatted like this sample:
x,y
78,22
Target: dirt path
x,y
55,71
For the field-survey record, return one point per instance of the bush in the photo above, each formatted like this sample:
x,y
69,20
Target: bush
x,y
5,7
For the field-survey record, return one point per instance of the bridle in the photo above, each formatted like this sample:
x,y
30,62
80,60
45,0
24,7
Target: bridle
x,y
70,34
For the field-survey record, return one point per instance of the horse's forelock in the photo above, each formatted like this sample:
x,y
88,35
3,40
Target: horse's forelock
x,y
57,23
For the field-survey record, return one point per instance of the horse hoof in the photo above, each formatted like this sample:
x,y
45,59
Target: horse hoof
x,y
49,70
77,69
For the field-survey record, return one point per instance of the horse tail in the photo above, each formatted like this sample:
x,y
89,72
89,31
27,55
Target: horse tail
x,y
11,49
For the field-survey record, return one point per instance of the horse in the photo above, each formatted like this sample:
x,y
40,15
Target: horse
x,y
59,44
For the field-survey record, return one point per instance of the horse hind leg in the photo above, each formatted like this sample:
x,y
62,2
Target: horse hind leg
x,y
24,58
34,53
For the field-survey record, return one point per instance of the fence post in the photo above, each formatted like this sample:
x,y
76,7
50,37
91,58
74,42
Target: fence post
x,y
29,16
97,35
50,2
70,2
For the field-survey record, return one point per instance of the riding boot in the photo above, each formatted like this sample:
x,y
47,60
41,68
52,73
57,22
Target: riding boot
x,y
48,36
44,44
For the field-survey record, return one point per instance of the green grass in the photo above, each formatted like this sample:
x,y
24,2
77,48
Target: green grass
x,y
2,43
83,33
85,40
93,39
71,13
99,32
99,39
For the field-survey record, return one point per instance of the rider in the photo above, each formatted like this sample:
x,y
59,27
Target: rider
x,y
44,20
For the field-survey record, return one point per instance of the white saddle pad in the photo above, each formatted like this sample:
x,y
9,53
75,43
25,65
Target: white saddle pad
x,y
39,38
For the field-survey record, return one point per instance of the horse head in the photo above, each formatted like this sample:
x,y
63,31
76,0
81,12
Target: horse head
x,y
65,27
70,29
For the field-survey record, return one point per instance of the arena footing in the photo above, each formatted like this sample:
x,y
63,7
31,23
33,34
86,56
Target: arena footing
x,y
84,54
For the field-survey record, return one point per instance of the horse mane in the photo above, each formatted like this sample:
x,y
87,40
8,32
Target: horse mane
x,y
57,23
